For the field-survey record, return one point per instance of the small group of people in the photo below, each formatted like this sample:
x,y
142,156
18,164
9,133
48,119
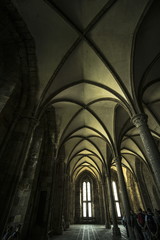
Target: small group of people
x,y
145,224
12,233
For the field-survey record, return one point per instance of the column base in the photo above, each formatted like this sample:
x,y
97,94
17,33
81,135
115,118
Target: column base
x,y
67,224
116,231
107,225
53,232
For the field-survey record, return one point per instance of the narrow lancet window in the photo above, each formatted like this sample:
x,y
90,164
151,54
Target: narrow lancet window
x,y
116,199
86,199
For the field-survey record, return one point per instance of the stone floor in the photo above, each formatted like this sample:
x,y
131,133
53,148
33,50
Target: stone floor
x,y
89,232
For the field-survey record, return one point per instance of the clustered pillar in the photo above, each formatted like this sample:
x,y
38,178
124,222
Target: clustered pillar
x,y
19,144
24,189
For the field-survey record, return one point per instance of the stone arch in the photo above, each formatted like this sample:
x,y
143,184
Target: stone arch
x,y
97,198
18,67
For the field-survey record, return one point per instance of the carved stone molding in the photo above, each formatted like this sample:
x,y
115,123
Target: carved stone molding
x,y
117,159
139,119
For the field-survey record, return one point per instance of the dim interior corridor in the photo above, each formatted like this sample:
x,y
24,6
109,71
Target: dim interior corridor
x,y
79,118
89,232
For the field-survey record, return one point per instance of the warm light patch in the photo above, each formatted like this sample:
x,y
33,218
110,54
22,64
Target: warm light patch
x,y
116,199
86,199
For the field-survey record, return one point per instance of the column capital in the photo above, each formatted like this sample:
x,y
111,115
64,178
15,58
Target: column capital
x,y
139,119
117,158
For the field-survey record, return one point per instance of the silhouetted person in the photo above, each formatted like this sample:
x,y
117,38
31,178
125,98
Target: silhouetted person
x,y
136,229
124,222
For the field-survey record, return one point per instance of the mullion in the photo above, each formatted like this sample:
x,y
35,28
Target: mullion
x,y
87,199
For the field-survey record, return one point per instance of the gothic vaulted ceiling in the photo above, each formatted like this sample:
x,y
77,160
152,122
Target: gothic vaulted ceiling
x,y
98,65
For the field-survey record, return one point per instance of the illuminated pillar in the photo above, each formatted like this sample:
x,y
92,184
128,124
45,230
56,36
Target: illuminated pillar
x,y
115,229
140,121
125,199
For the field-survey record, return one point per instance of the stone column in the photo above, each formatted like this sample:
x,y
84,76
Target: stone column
x,y
100,200
72,203
115,229
125,198
105,198
106,205
140,121
22,197
14,156
67,201
52,195
56,227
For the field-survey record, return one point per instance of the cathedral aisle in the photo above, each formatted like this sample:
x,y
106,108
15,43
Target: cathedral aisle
x,y
89,232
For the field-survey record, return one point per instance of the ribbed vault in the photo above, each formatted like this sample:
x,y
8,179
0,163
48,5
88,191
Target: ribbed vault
x,y
88,56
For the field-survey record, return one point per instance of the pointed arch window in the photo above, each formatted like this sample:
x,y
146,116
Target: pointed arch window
x,y
86,199
116,199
